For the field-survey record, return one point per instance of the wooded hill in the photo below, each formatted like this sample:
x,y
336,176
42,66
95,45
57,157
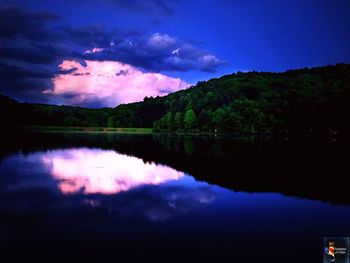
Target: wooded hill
x,y
253,102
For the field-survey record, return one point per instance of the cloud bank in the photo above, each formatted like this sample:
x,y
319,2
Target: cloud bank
x,y
144,7
112,65
155,52
108,83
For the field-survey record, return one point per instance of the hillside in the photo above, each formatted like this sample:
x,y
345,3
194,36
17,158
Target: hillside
x,y
15,113
253,102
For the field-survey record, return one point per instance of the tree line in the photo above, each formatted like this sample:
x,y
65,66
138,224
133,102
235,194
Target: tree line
x,y
253,102
259,102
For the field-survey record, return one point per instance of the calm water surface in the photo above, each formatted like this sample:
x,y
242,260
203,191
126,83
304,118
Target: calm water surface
x,y
97,203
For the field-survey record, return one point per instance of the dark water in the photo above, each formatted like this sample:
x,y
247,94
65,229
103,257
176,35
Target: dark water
x,y
110,197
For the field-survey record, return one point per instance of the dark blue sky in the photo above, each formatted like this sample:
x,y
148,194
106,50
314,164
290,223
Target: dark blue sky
x,y
187,39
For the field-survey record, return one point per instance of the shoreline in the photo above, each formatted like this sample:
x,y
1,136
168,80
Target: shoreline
x,y
330,134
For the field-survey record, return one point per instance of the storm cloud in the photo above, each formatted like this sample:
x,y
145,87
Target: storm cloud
x,y
144,7
33,45
17,23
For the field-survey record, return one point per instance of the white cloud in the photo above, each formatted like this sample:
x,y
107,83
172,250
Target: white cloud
x,y
161,41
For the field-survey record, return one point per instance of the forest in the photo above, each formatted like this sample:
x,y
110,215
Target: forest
x,y
244,103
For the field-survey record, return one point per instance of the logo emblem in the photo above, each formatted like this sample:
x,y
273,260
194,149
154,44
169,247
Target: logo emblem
x,y
330,251
336,249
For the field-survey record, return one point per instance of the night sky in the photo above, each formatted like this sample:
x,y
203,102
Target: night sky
x,y
97,53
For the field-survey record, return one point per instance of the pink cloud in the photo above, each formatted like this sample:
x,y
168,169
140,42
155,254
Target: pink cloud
x,y
109,83
94,50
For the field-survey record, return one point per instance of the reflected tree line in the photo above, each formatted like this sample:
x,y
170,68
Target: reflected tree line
x,y
292,166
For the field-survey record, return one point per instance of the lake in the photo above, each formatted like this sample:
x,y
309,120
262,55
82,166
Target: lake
x,y
107,197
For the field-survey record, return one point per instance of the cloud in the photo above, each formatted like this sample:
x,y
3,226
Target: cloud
x,y
16,22
93,50
108,83
32,37
147,7
122,72
157,52
175,51
14,72
29,48
159,41
144,7
24,83
33,52
32,46
92,36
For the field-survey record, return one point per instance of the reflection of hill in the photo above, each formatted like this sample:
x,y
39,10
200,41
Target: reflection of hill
x,y
300,168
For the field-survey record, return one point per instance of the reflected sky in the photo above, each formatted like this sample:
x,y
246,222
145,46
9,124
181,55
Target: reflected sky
x,y
123,186
102,197
120,184
96,171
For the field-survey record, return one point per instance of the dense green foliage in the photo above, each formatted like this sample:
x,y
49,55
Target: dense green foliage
x,y
253,102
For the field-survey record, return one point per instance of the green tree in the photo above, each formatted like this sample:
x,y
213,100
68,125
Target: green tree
x,y
235,122
156,126
110,122
70,121
189,119
218,118
251,114
163,123
209,99
169,121
178,121
204,120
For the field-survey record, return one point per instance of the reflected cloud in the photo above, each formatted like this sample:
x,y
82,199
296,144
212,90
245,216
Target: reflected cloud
x,y
157,203
95,171
100,181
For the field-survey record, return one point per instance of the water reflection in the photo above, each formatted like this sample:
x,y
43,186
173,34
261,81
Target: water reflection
x,y
91,199
95,171
121,185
